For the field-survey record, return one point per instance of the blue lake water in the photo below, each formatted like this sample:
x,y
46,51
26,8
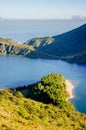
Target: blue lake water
x,y
18,70
15,71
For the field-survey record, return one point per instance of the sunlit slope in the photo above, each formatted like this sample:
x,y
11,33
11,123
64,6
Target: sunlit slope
x,y
70,46
34,113
7,46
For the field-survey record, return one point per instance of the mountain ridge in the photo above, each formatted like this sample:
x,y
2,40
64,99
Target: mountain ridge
x,y
69,46
7,46
64,46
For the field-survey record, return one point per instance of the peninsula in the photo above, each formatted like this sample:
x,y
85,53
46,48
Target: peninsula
x,y
70,47
39,106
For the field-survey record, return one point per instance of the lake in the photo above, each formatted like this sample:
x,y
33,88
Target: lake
x,y
17,70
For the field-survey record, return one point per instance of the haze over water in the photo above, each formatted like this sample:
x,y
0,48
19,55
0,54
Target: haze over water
x,y
23,30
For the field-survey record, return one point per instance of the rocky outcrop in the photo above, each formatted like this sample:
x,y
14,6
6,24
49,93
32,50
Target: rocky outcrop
x,y
7,46
70,46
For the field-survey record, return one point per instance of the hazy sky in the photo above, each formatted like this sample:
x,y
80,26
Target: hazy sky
x,y
42,9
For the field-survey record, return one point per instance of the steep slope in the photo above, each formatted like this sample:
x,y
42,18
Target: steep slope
x,y
18,112
70,46
7,46
40,42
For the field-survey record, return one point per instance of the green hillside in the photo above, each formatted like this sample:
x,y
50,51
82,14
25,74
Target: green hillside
x,y
41,106
40,42
7,46
70,46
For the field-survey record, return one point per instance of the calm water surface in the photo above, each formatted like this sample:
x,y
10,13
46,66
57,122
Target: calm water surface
x,y
17,70
23,30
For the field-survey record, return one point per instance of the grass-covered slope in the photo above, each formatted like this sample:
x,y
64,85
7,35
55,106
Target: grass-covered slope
x,y
70,46
7,46
40,42
18,112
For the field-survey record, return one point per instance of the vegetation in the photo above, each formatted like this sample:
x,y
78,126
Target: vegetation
x,y
7,46
18,112
70,46
40,42
51,89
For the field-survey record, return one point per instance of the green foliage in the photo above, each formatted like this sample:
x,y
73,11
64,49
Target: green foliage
x,y
70,46
18,94
51,89
50,111
54,88
26,114
7,46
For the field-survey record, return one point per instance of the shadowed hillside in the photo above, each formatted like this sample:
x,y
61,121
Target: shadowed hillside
x,y
70,46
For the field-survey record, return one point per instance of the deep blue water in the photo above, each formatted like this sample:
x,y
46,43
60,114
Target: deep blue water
x,y
23,30
17,70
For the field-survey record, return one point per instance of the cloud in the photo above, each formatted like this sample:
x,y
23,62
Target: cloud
x,y
78,17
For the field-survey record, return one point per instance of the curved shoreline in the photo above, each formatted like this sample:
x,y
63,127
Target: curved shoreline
x,y
69,89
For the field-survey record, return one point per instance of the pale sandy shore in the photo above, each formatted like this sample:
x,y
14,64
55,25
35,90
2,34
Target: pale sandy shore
x,y
69,89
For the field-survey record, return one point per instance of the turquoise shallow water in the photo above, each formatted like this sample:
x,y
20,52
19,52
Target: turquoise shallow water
x,y
17,70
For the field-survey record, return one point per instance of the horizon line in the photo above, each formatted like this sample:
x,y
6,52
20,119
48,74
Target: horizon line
x,y
76,17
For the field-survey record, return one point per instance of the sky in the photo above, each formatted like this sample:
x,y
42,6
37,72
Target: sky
x,y
42,9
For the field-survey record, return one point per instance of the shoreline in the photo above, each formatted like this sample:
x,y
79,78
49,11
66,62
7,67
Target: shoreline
x,y
69,89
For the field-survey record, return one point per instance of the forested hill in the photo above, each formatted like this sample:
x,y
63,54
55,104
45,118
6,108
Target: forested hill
x,y
41,106
70,46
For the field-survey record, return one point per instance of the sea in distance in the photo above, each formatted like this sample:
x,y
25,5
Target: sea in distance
x,y
17,70
23,30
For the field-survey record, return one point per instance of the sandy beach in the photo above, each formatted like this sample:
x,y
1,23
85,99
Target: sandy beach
x,y
69,88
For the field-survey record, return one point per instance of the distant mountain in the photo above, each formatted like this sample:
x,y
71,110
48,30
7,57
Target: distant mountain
x,y
70,46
